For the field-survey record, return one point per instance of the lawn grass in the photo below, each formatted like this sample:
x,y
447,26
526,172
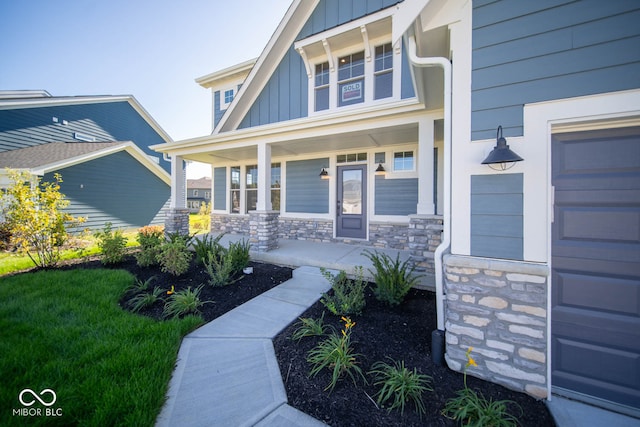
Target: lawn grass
x,y
64,331
87,245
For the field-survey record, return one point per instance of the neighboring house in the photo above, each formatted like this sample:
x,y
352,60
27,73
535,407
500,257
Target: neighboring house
x,y
198,193
100,147
535,262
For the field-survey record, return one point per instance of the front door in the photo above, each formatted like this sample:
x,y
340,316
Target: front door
x,y
595,317
351,212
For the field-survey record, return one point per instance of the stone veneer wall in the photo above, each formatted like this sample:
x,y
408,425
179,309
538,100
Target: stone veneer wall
x,y
263,230
315,230
425,235
389,235
177,221
499,308
232,224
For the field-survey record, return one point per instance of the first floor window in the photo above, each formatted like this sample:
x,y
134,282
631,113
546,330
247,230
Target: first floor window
x,y
403,161
276,173
251,188
235,189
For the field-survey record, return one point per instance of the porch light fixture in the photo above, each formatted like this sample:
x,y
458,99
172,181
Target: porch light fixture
x,y
324,174
501,157
380,170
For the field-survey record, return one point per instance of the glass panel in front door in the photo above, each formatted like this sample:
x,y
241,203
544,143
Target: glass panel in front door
x,y
352,192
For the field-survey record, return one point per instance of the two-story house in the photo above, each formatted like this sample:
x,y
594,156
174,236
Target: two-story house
x,y
198,193
498,141
100,147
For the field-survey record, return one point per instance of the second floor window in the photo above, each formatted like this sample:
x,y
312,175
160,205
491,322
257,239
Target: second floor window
x,y
228,96
322,86
351,79
383,73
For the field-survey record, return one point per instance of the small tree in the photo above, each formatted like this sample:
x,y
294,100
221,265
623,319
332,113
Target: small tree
x,y
36,217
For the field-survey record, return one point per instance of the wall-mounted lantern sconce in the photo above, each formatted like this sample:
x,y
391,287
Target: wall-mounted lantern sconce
x,y
324,174
501,157
380,170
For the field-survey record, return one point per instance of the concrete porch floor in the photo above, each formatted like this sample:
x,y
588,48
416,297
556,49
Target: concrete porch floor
x,y
334,256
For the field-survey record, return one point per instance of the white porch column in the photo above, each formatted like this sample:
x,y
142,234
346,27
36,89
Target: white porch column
x,y
178,183
264,178
425,167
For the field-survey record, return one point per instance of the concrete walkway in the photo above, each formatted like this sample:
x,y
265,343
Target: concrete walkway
x,y
227,372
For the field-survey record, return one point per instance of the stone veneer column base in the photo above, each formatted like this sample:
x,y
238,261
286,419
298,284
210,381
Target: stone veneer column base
x,y
263,230
498,307
177,221
425,234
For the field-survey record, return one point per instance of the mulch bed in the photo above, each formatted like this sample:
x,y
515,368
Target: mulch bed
x,y
380,333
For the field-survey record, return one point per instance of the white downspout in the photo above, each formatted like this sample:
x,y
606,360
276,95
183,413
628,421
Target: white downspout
x,y
446,226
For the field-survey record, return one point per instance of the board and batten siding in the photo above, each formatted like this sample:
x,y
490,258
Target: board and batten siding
x,y
220,189
306,192
104,121
114,188
286,96
532,51
497,216
396,196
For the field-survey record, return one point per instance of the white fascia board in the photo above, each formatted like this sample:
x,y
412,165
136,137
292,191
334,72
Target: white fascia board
x,y
282,39
79,100
404,17
306,127
128,146
227,73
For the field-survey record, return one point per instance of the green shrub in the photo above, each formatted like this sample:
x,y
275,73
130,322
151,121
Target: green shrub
x,y
36,218
221,271
206,245
239,254
183,302
150,239
400,385
174,257
348,295
337,354
112,244
393,279
309,327
140,286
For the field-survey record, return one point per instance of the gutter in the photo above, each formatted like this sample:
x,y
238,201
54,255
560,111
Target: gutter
x,y
445,246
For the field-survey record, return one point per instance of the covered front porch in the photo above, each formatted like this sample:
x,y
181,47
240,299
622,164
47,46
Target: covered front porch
x,y
335,256
368,179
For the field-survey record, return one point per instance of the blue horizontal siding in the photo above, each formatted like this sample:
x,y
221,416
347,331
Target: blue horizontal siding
x,y
526,52
306,192
116,189
497,219
105,121
396,196
220,188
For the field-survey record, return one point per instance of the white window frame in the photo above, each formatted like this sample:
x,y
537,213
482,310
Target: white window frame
x,y
223,99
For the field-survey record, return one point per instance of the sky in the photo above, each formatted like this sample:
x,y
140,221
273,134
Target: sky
x,y
151,49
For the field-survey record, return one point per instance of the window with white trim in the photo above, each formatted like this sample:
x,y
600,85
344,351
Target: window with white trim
x,y
351,79
383,73
251,189
226,96
195,193
322,86
235,189
276,173
403,161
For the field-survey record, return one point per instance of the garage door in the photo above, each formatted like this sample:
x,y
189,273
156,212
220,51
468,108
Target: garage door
x,y
596,265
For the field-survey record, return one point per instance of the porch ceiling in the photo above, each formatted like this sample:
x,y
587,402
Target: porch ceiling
x,y
357,140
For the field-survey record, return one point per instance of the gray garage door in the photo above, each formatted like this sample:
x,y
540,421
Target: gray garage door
x,y
596,265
